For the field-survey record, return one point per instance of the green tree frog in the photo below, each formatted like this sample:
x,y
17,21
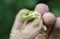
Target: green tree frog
x,y
30,15
33,14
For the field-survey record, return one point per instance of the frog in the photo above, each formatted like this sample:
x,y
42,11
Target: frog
x,y
33,14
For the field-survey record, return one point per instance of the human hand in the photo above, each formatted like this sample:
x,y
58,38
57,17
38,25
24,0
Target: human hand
x,y
28,32
16,30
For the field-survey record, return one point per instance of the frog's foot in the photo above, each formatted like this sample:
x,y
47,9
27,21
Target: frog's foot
x,y
35,24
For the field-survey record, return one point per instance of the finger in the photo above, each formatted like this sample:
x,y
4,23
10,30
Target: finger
x,y
57,24
56,30
18,21
49,19
42,8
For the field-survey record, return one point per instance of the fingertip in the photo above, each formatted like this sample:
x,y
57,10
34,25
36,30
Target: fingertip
x,y
42,8
49,18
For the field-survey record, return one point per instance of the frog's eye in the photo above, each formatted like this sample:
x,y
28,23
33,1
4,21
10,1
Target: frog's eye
x,y
26,13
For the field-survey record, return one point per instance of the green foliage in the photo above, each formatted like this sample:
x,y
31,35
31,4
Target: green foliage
x,y
54,6
9,9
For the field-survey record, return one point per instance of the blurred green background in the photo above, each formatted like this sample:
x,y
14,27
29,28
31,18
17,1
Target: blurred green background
x,y
9,9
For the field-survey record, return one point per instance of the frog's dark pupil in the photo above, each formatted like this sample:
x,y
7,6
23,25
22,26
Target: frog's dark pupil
x,y
26,13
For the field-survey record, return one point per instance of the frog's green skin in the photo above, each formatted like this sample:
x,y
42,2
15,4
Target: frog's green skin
x,y
32,14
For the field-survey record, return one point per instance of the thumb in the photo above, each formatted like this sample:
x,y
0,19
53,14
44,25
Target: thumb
x,y
18,22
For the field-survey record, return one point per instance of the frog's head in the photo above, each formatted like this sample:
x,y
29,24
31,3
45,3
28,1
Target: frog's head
x,y
27,15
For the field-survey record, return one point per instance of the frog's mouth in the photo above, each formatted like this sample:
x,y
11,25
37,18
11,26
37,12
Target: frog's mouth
x,y
30,20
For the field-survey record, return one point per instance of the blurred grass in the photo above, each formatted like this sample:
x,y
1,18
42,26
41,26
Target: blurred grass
x,y
9,9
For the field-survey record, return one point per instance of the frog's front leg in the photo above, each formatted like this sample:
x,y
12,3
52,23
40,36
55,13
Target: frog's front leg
x,y
36,23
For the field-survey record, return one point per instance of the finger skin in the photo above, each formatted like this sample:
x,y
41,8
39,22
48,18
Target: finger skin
x,y
57,24
18,21
49,18
42,8
56,31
